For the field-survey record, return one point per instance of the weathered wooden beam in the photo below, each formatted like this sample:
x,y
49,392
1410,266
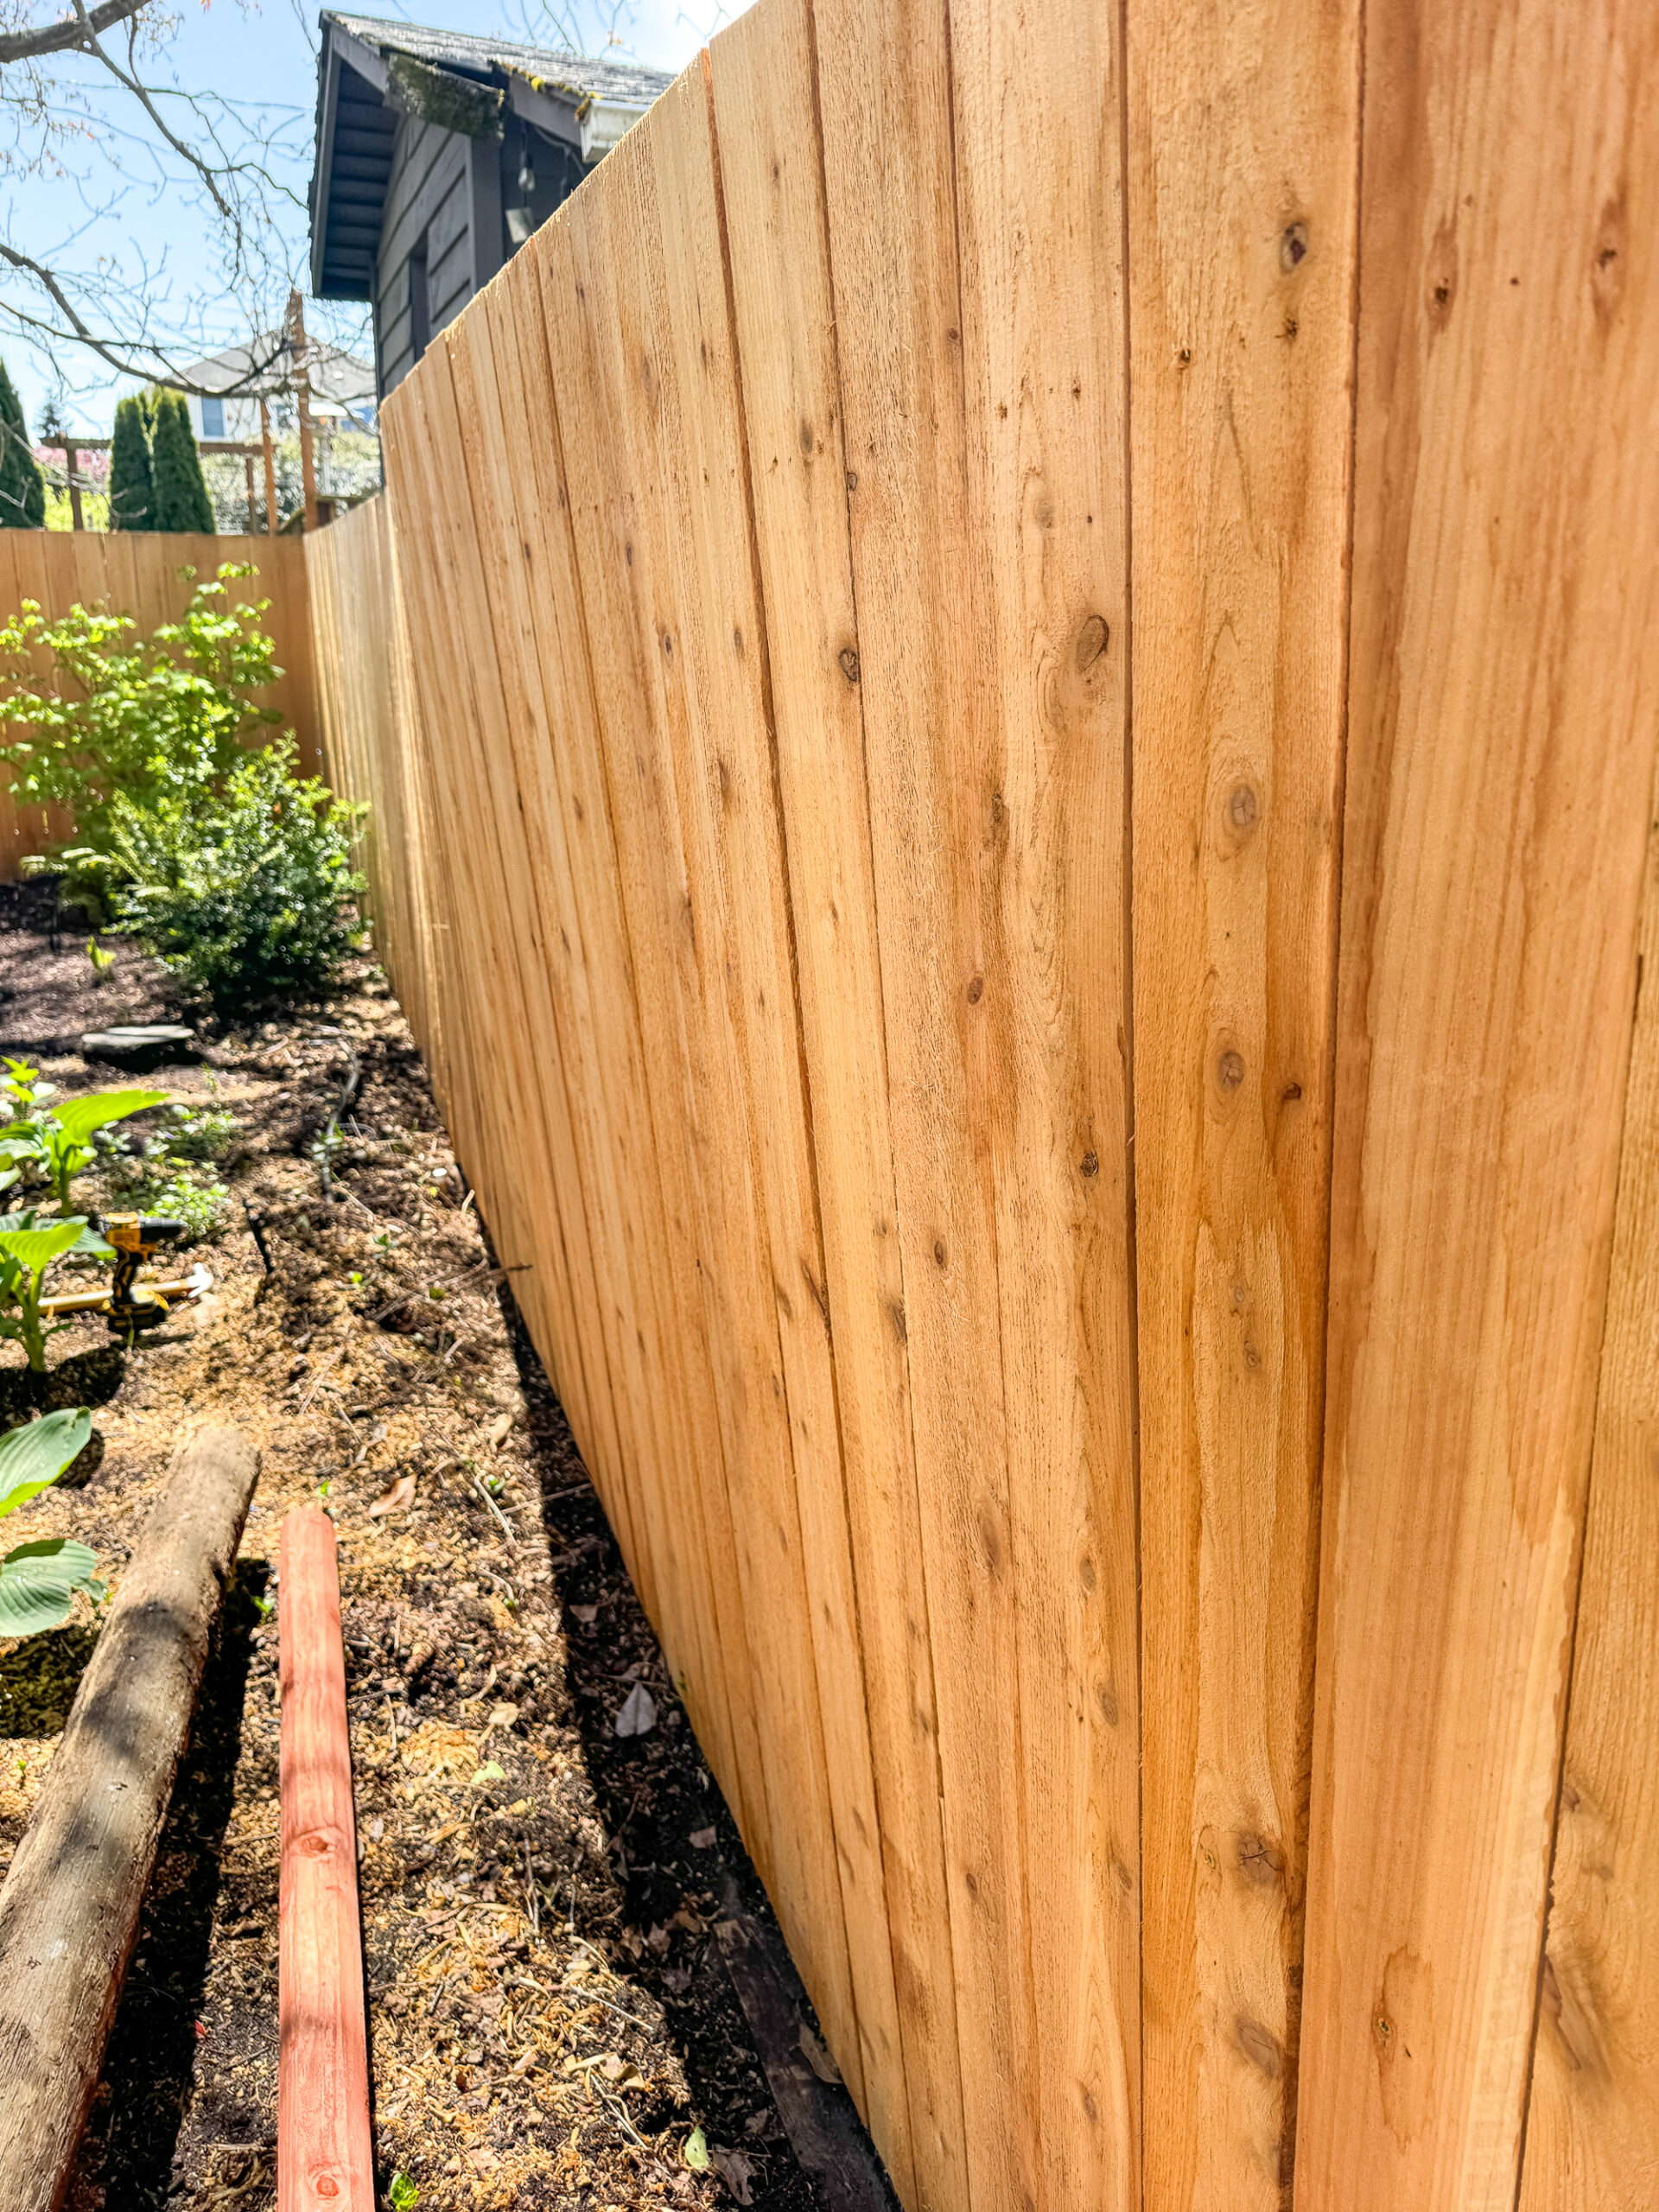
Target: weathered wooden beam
x,y
70,1906
325,2159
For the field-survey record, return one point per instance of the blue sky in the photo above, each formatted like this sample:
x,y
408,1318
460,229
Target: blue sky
x,y
110,202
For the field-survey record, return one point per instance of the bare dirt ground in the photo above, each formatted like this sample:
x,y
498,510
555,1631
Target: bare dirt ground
x,y
549,2015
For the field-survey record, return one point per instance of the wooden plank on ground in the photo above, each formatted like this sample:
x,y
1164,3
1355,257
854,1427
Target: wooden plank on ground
x,y
1242,152
325,2153
1593,2122
938,822
1504,660
892,1854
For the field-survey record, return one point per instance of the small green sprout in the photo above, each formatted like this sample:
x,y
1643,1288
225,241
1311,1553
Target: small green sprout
x,y
27,1250
403,2195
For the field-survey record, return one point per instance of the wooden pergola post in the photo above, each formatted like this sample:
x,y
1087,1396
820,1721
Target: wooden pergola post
x,y
302,396
270,467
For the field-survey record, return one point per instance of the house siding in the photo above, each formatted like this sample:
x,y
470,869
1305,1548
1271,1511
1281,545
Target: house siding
x,y
429,196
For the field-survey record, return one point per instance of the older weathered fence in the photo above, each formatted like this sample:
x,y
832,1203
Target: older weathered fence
x,y
138,573
932,586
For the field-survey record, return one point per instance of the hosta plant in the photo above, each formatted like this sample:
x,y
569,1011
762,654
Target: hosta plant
x,y
28,1249
67,1130
38,1581
53,1143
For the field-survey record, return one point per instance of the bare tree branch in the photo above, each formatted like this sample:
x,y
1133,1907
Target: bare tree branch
x,y
141,93
69,35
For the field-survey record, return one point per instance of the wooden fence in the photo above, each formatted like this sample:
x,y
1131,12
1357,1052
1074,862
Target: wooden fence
x,y
138,573
1019,834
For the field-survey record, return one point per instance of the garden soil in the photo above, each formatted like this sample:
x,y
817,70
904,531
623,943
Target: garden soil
x,y
549,2016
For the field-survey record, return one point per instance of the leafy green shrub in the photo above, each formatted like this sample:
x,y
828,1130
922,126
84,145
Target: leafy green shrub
x,y
246,896
38,1581
156,719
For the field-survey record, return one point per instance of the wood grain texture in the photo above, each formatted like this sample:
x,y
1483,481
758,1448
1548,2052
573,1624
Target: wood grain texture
x,y
325,2158
500,1084
69,1909
1500,764
874,1655
138,573
1036,106
1593,2122
693,778
631,794
373,749
939,833
1240,250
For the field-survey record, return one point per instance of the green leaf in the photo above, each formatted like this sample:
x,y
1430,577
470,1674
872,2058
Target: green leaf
x,y
37,1582
33,1457
34,1249
403,2195
695,2153
488,1772
79,1117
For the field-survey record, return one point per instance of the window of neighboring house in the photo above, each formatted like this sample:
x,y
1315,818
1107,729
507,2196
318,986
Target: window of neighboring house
x,y
212,418
420,300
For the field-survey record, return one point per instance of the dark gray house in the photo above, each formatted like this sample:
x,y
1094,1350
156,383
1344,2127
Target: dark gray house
x,y
437,155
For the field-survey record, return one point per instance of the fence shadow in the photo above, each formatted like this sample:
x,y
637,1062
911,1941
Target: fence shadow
x,y
676,1860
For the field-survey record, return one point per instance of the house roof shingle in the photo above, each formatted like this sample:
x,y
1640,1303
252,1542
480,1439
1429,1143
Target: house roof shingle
x,y
554,69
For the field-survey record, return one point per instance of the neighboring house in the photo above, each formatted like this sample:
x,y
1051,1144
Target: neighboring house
x,y
342,388
438,154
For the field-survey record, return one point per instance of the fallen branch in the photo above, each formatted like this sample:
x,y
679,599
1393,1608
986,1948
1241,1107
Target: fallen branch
x,y
69,1909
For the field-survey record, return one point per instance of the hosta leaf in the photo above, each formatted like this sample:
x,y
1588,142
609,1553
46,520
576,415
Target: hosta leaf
x,y
35,1248
79,1117
33,1457
37,1582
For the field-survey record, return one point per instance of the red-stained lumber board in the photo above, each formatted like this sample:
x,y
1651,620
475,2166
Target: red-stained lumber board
x,y
325,2160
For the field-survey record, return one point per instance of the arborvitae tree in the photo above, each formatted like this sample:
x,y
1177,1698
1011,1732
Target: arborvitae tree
x,y
22,487
181,500
132,492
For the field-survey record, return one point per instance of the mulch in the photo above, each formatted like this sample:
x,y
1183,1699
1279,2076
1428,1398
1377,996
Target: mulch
x,y
551,2018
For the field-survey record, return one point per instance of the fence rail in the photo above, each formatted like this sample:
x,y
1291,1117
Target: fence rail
x,y
1013,732
138,573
